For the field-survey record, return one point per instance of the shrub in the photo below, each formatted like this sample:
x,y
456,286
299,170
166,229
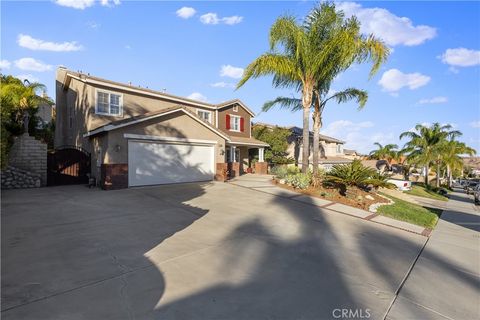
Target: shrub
x,y
379,180
299,180
279,172
352,174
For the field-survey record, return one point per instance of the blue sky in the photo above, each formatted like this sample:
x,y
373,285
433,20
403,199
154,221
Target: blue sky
x,y
433,74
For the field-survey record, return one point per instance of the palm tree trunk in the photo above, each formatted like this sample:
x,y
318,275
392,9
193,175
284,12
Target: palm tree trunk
x,y
427,169
449,177
316,136
438,174
307,103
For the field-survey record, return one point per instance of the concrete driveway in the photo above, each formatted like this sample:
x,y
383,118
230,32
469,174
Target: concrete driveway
x,y
192,251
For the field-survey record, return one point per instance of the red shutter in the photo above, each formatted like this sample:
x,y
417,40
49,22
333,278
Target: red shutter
x,y
227,121
242,124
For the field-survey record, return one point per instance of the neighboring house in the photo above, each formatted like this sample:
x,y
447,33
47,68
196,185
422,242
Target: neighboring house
x,y
351,154
45,112
331,149
473,164
137,136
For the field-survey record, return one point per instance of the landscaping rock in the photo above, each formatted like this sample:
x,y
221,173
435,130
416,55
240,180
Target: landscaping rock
x,y
369,197
15,178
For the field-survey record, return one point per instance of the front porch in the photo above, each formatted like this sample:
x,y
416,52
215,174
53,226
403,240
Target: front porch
x,y
241,159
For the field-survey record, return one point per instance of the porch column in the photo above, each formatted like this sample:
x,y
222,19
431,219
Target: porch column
x,y
232,153
261,154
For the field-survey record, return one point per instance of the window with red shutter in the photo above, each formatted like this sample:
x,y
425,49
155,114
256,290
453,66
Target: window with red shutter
x,y
227,121
242,124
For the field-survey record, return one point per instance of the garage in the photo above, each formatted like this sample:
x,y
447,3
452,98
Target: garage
x,y
163,162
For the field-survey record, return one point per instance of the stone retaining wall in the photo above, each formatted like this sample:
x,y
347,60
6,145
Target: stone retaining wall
x,y
14,178
30,155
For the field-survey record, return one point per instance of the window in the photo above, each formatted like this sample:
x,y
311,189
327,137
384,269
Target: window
x,y
109,103
205,115
235,108
339,148
235,123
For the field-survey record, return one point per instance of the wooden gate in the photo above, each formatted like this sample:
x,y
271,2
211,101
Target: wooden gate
x,y
68,165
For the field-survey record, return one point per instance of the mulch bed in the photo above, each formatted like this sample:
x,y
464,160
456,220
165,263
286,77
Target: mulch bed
x,y
357,200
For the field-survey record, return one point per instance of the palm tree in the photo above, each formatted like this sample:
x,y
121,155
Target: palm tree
x,y
450,152
386,152
424,145
314,52
318,105
22,97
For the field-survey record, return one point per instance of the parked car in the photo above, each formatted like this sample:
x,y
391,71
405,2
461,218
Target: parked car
x,y
471,186
402,185
476,195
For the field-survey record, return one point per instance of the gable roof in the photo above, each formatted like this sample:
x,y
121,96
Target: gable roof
x,y
235,101
152,115
87,78
299,131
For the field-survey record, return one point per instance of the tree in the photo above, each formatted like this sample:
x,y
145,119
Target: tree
x,y
450,153
19,102
311,55
424,145
277,138
386,152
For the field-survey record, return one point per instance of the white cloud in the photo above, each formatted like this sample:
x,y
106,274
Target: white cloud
x,y
357,134
222,85
392,29
76,4
231,71
109,3
28,77
30,64
461,57
197,96
475,124
338,127
186,12
82,4
393,80
434,100
28,42
128,47
93,25
232,20
209,18
5,64
213,18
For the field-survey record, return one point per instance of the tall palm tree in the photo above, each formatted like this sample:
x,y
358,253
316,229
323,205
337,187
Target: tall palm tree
x,y
303,55
386,152
425,143
22,97
450,153
318,105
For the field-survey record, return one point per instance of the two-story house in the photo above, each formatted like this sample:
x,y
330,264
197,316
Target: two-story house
x,y
331,149
137,136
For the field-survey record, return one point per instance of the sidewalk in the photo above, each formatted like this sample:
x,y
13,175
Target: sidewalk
x,y
444,283
263,183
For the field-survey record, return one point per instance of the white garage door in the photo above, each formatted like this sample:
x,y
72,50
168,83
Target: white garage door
x,y
152,163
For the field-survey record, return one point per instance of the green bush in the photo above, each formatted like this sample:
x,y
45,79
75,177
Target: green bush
x,y
279,172
355,174
299,180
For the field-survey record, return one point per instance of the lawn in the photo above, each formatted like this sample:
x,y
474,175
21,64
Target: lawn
x,y
412,213
421,191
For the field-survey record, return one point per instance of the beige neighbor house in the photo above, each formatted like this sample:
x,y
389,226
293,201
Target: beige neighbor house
x,y
137,136
331,149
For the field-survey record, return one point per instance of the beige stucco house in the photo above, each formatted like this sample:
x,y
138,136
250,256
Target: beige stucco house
x,y
331,149
137,136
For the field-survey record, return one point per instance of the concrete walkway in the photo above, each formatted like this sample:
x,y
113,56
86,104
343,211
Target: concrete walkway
x,y
263,183
444,284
